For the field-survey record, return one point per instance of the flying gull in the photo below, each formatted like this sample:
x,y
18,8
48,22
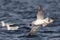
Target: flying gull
x,y
40,21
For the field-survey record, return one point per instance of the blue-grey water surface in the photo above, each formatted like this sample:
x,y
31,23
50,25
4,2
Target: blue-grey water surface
x,y
23,12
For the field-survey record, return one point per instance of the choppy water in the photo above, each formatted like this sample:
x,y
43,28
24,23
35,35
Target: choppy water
x,y
22,12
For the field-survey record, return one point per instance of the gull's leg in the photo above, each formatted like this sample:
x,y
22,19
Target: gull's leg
x,y
33,30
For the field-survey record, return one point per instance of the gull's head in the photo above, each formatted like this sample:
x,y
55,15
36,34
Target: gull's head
x,y
49,20
17,27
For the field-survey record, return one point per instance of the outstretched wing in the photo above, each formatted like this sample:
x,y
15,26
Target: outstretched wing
x,y
33,30
40,14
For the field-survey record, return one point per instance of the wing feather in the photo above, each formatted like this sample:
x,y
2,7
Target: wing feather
x,y
40,14
33,30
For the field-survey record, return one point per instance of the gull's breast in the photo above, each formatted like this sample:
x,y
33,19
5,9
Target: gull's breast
x,y
38,22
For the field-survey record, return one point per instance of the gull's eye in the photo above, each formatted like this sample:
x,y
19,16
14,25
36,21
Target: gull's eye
x,y
49,20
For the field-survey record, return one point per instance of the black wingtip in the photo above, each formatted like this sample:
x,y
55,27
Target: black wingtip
x,y
40,7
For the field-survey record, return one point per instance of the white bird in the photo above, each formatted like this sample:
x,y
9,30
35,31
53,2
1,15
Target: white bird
x,y
11,27
40,21
4,24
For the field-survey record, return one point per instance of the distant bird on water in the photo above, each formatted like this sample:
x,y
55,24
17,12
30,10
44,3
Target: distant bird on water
x,y
4,24
11,27
40,21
